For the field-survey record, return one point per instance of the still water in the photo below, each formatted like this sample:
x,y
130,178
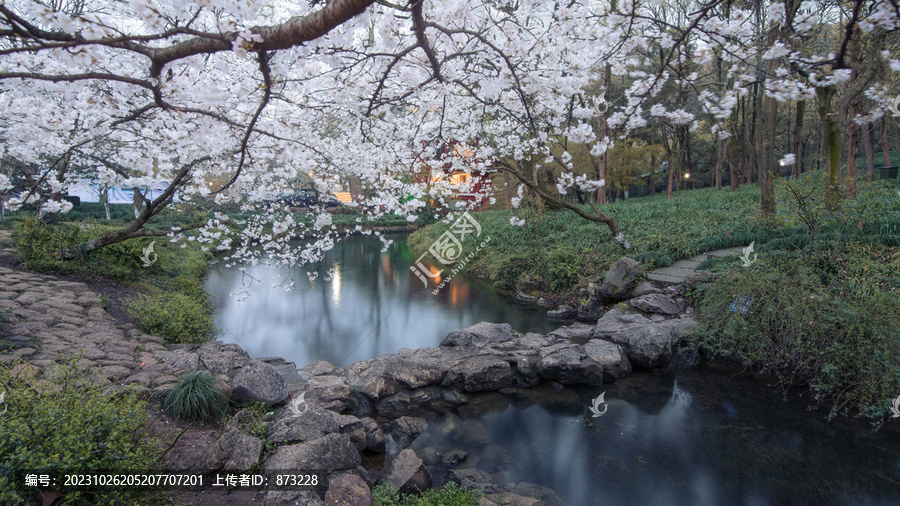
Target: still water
x,y
371,305
695,438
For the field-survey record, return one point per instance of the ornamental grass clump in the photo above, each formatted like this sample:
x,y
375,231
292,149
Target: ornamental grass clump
x,y
197,398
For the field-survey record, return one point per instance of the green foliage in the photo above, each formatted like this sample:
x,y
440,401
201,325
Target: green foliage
x,y
829,327
451,495
175,316
40,244
563,266
60,424
196,398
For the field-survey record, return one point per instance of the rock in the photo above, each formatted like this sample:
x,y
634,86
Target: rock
x,y
455,457
562,313
406,429
395,406
686,356
568,364
610,357
473,478
388,374
622,277
524,298
332,452
643,288
352,427
656,303
479,335
615,321
181,360
233,451
408,473
651,346
291,498
259,382
312,424
589,312
374,435
544,303
348,490
527,283
475,432
697,277
574,331
319,368
484,372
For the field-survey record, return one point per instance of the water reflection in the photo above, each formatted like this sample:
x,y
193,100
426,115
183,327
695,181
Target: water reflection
x,y
370,304
696,439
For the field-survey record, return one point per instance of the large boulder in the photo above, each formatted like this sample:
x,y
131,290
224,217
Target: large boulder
x,y
374,435
568,364
291,498
473,478
610,356
483,372
562,313
651,346
480,334
312,424
574,331
656,303
259,382
408,473
406,429
348,490
614,321
332,452
622,277
233,451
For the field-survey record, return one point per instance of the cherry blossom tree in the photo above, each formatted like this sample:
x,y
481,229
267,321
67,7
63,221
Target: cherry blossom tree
x,y
228,100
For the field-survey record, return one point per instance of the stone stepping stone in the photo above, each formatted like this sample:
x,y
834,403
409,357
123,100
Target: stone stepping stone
x,y
686,264
662,278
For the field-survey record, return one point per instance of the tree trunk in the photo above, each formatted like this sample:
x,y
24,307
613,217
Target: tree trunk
x,y
767,140
885,147
852,146
832,148
104,198
870,151
653,174
798,133
137,201
720,155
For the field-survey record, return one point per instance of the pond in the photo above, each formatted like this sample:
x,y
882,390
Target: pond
x,y
694,438
371,305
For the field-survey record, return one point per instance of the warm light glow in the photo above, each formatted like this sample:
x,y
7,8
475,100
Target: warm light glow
x,y
687,176
459,178
344,197
435,274
336,285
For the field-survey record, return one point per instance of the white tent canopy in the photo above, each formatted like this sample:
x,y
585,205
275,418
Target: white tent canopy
x,y
90,192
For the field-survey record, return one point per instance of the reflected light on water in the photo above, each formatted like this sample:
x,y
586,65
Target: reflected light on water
x,y
336,286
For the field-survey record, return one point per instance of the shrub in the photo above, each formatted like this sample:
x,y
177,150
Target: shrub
x,y
197,398
61,425
451,495
808,326
177,317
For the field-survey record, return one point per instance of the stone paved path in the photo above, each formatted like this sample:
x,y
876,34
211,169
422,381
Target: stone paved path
x,y
52,320
676,272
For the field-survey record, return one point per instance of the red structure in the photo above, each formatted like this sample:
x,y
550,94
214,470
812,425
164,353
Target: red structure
x,y
440,167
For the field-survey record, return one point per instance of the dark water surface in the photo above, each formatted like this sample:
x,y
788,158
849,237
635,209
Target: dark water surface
x,y
695,438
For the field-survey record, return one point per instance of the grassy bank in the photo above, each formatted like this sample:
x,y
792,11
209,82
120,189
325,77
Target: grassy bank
x,y
825,291
169,299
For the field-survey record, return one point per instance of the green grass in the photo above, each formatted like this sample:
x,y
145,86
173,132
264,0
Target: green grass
x,y
451,495
197,398
559,247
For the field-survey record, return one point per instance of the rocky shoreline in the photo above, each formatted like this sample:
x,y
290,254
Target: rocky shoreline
x,y
368,408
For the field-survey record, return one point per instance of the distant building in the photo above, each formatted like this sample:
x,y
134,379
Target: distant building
x,y
90,192
440,167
